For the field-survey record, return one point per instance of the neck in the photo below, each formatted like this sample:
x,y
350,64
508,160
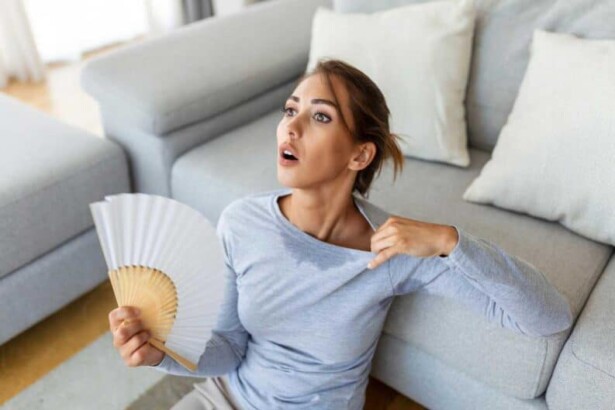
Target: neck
x,y
324,217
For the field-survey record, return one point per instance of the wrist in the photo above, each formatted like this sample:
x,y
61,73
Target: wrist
x,y
158,364
450,238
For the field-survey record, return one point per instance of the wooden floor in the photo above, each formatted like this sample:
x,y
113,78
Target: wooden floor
x,y
35,352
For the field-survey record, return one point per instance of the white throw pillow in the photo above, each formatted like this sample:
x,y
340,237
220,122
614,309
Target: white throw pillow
x,y
555,156
419,56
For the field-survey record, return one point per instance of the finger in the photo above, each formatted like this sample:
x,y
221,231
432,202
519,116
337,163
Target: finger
x,y
119,314
146,354
125,332
380,244
386,223
135,342
140,345
382,234
382,257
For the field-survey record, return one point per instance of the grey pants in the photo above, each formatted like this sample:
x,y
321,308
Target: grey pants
x,y
212,394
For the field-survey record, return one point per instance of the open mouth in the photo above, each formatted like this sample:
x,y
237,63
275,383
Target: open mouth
x,y
287,155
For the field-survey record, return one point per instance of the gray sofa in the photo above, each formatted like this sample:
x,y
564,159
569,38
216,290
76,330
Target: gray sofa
x,y
197,112
49,251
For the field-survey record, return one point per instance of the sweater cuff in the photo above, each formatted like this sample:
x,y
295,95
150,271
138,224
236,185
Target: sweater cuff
x,y
455,256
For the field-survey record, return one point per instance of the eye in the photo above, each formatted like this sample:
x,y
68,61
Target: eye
x,y
284,109
328,119
325,116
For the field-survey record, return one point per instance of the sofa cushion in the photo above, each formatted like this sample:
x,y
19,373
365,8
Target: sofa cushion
x,y
501,49
243,161
427,49
234,164
434,385
561,121
49,174
584,376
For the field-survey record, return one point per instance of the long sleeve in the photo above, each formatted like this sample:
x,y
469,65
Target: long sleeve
x,y
502,287
227,347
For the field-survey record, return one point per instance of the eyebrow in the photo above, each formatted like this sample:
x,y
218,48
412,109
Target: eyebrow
x,y
316,101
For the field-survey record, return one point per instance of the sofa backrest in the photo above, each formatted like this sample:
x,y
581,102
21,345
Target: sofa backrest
x,y
501,49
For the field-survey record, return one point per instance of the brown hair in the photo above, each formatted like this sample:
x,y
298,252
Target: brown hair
x,y
371,117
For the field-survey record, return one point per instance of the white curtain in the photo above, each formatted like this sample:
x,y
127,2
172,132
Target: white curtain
x,y
19,57
163,15
64,29
224,7
36,32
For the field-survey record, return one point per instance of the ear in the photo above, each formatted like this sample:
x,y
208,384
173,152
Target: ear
x,y
363,156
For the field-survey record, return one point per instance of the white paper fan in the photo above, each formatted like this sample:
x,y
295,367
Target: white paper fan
x,y
166,259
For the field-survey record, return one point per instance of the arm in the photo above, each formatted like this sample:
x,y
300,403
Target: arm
x,y
228,344
503,288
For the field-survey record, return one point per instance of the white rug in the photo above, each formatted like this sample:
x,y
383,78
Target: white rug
x,y
95,378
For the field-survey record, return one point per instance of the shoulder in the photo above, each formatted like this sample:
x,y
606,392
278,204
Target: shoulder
x,y
242,218
248,210
375,213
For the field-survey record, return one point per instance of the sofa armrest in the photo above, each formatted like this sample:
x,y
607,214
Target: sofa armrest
x,y
205,68
584,376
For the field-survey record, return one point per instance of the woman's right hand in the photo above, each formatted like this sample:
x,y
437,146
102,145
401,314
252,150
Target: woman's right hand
x,y
131,340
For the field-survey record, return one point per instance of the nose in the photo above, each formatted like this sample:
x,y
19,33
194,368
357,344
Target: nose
x,y
294,126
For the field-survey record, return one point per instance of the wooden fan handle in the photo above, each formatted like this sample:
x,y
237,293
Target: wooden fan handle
x,y
178,358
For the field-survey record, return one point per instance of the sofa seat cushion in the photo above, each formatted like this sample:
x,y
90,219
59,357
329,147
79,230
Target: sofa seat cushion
x,y
49,174
243,161
584,376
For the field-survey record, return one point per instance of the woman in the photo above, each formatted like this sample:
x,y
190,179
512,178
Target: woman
x,y
303,312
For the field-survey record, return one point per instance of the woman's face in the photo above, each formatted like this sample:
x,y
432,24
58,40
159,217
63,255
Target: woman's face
x,y
313,127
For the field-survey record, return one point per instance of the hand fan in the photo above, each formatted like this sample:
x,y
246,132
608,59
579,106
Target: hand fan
x,y
164,258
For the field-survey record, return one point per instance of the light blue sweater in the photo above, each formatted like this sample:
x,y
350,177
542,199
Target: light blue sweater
x,y
301,317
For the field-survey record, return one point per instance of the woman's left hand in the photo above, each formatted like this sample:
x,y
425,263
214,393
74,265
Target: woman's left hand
x,y
408,236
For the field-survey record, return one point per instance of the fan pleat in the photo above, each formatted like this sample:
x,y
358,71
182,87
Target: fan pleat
x,y
165,258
